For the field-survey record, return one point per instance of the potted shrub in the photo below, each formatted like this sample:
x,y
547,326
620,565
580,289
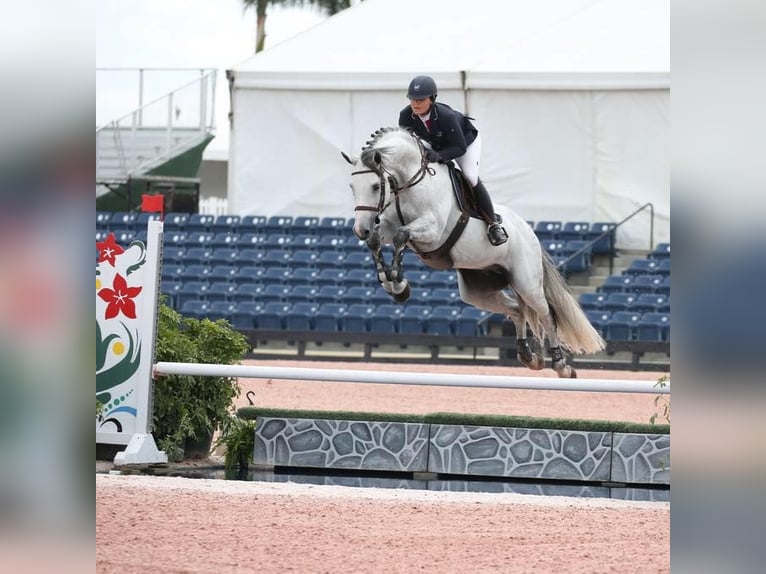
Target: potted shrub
x,y
188,410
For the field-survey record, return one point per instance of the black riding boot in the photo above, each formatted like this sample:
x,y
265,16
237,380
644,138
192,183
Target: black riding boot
x,y
495,232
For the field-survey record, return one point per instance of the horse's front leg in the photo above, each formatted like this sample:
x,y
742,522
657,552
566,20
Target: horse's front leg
x,y
400,286
383,271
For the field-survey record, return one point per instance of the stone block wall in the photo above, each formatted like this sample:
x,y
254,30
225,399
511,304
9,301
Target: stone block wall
x,y
463,450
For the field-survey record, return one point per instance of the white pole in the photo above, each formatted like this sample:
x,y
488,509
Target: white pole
x,y
409,378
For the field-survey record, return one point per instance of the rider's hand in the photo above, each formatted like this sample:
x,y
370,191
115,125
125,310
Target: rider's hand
x,y
432,156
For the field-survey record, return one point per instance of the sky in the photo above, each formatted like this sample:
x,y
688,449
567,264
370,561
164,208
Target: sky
x,y
179,34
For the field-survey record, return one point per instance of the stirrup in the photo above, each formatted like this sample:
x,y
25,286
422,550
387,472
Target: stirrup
x,y
496,234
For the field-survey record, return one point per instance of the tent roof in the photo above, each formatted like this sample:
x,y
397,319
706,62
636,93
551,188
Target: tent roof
x,y
381,44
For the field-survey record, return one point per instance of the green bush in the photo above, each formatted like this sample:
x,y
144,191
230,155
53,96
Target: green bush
x,y
187,407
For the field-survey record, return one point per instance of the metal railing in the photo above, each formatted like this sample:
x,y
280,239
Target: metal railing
x,y
157,130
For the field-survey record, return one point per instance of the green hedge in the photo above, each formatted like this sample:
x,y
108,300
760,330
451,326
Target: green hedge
x,y
252,413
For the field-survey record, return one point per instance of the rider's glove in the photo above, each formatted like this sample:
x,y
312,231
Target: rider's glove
x,y
432,156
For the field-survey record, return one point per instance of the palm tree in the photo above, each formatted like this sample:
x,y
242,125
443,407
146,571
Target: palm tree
x,y
328,7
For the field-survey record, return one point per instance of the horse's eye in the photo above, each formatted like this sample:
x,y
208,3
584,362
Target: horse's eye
x,y
375,187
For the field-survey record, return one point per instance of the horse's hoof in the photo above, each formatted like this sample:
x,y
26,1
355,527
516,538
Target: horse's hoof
x,y
403,295
565,371
535,363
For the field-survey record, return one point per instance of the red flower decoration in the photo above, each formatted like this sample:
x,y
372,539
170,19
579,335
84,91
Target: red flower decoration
x,y
108,249
119,299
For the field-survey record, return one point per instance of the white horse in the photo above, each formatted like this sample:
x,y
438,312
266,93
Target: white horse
x,y
423,214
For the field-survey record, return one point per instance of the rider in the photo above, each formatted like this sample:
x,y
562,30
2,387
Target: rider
x,y
452,136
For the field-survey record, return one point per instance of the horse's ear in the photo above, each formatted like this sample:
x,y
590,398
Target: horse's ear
x,y
348,159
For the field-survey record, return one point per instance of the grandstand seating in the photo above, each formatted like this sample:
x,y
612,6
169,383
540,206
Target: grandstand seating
x,y
312,273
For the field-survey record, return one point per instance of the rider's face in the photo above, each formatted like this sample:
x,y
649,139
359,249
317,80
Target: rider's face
x,y
421,106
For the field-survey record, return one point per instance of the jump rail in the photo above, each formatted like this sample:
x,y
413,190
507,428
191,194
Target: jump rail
x,y
410,378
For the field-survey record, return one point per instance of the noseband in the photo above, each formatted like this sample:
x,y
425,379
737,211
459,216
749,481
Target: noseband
x,y
386,175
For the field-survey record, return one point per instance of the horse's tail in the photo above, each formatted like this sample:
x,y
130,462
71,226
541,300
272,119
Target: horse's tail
x,y
574,331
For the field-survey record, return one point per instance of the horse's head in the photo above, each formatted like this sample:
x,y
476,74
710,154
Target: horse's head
x,y
389,159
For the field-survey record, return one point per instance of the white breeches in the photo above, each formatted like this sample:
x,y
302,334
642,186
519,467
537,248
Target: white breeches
x,y
469,161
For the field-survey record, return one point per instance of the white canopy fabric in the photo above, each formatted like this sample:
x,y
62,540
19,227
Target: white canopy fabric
x,y
571,97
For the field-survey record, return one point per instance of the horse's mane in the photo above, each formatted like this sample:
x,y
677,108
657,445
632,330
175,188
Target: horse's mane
x,y
373,144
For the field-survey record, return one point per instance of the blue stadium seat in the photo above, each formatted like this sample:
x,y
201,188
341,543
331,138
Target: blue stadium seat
x,y
177,238
664,287
173,254
101,234
332,225
199,222
599,319
172,272
175,221
244,316
470,322
616,284
225,239
250,256
196,309
226,223
552,246
278,241
358,260
222,310
247,292
328,317
331,277
253,224
304,276
607,243
122,221
103,218
622,326
650,303
276,276
276,257
225,273
647,283
619,302
220,291
331,294
332,243
251,240
196,272
303,293
664,267
363,277
224,256
124,237
357,318
330,259
444,296
442,320
385,318
303,258
580,260
661,251
413,319
418,277
642,267
358,294
305,224
275,292
305,241
653,327
191,291
441,279
170,288
592,301
143,219
412,261
197,256
574,230
141,236
199,239
300,317
250,274
272,316
546,230
279,224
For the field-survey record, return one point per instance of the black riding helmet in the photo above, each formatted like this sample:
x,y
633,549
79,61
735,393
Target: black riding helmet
x,y
422,87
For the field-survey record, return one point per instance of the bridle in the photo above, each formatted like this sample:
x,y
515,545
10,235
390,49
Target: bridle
x,y
385,175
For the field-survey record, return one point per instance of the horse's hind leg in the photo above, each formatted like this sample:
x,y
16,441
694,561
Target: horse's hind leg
x,y
524,352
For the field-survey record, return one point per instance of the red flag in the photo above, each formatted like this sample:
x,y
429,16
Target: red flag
x,y
153,203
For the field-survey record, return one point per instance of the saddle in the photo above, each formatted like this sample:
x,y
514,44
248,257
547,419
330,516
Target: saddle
x,y
439,258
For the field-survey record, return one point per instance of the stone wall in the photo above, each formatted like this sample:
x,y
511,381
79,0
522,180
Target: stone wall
x,y
463,450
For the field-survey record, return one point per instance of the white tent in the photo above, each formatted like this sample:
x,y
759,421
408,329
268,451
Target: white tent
x,y
571,97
